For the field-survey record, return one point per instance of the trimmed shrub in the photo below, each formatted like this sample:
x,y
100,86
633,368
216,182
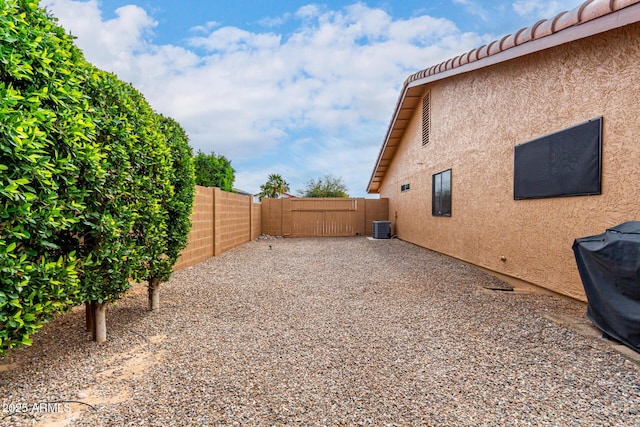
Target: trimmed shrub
x,y
89,197
179,207
49,167
133,209
109,248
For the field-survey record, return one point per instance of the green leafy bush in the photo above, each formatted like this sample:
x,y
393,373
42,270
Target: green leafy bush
x,y
135,210
109,248
214,171
178,208
49,166
89,199
180,205
151,184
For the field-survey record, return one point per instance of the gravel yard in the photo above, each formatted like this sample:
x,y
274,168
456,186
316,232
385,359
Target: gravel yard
x,y
334,331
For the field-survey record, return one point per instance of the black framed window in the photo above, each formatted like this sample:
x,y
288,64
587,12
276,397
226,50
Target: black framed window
x,y
405,187
441,194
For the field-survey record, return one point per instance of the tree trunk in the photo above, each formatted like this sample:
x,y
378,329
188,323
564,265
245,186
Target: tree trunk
x,y
90,315
154,294
100,327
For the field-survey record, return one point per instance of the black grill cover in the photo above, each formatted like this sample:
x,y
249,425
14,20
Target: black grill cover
x,y
609,266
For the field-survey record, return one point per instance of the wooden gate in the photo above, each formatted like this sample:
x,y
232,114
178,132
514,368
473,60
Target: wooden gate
x,y
323,217
328,217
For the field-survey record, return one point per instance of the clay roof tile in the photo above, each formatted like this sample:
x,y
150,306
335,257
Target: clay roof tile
x,y
532,29
508,42
523,35
494,47
464,59
543,29
595,9
554,21
482,52
582,8
449,64
472,55
567,20
621,4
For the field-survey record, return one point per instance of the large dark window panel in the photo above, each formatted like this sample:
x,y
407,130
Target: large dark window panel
x,y
564,163
441,194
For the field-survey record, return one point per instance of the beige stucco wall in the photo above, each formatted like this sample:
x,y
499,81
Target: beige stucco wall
x,y
477,119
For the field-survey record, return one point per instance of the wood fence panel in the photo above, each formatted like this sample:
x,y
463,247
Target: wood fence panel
x,y
306,223
339,223
287,222
306,217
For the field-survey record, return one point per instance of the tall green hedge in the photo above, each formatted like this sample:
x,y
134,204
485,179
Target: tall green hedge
x,y
88,195
180,205
137,203
109,249
152,184
178,208
49,166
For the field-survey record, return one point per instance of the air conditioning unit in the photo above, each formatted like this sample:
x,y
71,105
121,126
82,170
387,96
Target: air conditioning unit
x,y
381,229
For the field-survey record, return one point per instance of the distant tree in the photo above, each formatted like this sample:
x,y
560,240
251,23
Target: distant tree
x,y
327,186
274,187
214,171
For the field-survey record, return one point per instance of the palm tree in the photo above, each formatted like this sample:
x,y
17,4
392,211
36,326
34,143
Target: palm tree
x,y
274,187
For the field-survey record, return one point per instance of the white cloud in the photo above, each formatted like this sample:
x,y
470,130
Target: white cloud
x,y
231,39
473,8
274,21
541,9
114,44
204,28
308,12
245,94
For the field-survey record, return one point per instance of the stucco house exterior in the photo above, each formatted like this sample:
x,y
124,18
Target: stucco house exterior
x,y
449,164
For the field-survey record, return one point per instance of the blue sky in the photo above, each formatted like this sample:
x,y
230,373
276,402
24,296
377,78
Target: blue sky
x,y
297,88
